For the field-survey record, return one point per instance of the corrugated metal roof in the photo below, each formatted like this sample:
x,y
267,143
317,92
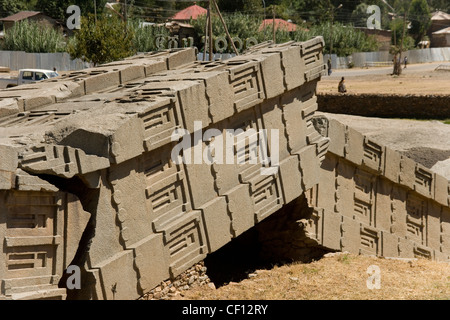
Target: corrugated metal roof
x,y
279,23
190,12
443,31
21,16
440,15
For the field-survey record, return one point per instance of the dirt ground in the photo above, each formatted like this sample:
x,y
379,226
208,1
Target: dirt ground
x,y
340,276
415,79
345,276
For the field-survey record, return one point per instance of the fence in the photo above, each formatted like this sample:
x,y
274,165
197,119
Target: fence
x,y
364,59
16,60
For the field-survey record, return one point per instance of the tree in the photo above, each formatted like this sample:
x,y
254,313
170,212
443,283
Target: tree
x,y
239,25
293,10
10,7
241,5
359,15
441,5
346,39
57,8
105,40
54,8
420,18
145,37
88,7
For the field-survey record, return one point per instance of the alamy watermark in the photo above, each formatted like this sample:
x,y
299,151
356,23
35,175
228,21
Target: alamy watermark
x,y
74,280
230,146
220,44
374,21
74,21
374,279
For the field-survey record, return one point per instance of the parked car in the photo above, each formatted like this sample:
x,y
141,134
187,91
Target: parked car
x,y
27,76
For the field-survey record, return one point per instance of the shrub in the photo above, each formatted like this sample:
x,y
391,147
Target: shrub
x,y
239,25
102,40
29,36
346,39
145,37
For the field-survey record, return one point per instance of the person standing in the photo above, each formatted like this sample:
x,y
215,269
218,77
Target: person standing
x,y
341,86
329,66
405,60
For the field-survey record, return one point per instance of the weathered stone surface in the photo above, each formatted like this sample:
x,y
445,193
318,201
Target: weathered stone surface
x,y
41,231
136,170
388,204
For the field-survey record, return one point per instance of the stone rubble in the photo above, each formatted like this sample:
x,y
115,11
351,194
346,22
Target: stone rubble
x,y
170,289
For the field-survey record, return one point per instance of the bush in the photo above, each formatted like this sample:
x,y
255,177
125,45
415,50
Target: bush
x,y
103,40
144,39
29,36
239,25
346,39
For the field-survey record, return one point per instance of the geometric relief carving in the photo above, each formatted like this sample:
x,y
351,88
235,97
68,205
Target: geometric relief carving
x,y
266,196
313,226
245,81
26,220
185,242
247,144
167,192
424,179
247,153
160,121
32,240
309,108
169,205
416,218
311,53
26,260
422,252
170,210
364,210
369,241
60,158
414,227
34,118
364,184
372,154
32,213
315,72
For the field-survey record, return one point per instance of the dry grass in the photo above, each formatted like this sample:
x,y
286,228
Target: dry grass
x,y
342,277
424,83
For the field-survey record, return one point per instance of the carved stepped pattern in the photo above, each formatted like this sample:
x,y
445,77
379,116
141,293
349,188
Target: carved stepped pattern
x,y
384,203
91,171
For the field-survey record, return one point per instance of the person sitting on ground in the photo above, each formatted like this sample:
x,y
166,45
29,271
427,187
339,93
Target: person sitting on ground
x,y
341,87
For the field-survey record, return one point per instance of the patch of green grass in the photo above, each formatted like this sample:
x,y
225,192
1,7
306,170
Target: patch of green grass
x,y
345,258
307,270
